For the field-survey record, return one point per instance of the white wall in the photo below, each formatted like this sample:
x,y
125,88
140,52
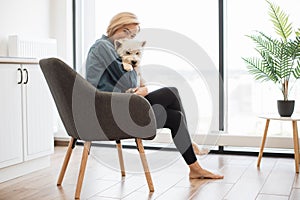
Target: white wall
x,y
28,18
61,28
37,19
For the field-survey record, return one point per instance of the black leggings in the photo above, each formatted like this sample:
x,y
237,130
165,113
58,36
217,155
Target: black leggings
x,y
169,113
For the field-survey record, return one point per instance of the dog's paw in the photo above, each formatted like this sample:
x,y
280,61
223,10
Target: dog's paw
x,y
127,67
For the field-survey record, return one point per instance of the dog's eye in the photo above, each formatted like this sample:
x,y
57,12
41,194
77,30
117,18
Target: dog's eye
x,y
137,53
127,53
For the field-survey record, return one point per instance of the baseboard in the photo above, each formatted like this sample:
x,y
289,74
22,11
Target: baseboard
x,y
58,141
21,169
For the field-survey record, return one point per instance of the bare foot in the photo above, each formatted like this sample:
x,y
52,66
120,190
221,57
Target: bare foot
x,y
198,151
204,174
196,171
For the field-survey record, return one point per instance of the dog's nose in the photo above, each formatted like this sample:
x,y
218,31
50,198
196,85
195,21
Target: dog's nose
x,y
133,62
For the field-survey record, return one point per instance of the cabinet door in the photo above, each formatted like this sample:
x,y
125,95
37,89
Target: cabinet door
x,y
38,113
11,144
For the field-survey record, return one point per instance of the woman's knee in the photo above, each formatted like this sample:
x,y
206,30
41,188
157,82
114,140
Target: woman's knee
x,y
174,117
174,90
170,92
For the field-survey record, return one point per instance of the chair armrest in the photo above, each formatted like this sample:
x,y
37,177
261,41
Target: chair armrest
x,y
125,115
100,116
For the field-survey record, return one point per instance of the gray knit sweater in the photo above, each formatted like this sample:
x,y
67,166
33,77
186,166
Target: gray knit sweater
x,y
104,68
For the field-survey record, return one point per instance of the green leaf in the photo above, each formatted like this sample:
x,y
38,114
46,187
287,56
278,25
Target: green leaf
x,y
260,70
296,71
292,48
266,44
280,21
298,32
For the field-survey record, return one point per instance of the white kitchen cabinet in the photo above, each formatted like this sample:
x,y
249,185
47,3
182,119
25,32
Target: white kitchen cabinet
x,y
26,118
38,115
11,135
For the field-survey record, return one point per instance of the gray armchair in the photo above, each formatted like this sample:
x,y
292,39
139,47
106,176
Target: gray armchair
x,y
91,115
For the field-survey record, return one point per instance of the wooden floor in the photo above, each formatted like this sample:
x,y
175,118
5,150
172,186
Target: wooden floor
x,y
275,180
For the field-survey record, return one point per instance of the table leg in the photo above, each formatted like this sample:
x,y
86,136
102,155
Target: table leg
x,y
296,145
263,142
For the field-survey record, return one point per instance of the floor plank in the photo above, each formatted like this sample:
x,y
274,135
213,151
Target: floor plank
x,y
213,190
295,195
281,179
248,186
297,181
271,197
176,193
275,179
124,188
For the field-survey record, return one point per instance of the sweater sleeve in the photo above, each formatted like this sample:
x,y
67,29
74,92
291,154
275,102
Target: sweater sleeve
x,y
104,69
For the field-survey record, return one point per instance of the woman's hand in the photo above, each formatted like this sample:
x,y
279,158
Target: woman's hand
x,y
143,91
131,90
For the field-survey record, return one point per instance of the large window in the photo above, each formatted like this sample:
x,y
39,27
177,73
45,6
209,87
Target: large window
x,y
196,24
181,50
246,98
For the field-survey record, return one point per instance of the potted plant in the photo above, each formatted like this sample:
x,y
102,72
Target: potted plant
x,y
279,57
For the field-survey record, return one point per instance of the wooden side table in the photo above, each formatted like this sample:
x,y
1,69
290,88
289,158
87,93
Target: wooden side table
x,y
295,137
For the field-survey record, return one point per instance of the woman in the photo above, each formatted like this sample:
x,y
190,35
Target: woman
x,y
105,71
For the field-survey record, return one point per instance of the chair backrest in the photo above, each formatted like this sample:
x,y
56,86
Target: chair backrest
x,y
60,78
90,114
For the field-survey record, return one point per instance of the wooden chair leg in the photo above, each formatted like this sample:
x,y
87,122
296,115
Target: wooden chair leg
x,y
145,164
66,161
296,145
85,154
121,160
263,142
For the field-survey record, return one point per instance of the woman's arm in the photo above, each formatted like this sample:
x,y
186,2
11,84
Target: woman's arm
x,y
142,90
104,69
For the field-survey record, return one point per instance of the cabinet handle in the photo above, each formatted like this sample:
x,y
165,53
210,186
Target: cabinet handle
x,y
19,69
25,70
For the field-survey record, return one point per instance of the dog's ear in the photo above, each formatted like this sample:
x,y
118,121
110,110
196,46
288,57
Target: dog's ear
x,y
118,43
143,43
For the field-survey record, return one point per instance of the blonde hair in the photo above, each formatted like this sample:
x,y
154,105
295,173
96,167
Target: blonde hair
x,y
120,20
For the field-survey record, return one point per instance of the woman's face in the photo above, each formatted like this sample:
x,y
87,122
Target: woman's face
x,y
128,31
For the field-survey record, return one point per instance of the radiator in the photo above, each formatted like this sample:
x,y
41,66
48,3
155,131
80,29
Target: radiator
x,y
31,48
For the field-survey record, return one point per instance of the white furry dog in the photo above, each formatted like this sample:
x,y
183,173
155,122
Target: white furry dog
x,y
130,51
